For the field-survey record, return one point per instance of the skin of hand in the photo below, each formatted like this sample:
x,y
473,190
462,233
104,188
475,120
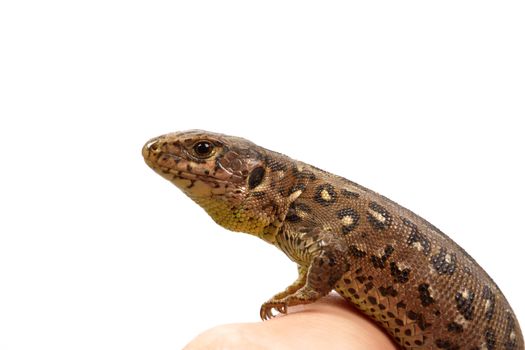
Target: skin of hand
x,y
330,323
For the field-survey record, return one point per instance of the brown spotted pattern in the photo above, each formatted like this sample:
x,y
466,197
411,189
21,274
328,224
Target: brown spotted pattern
x,y
394,266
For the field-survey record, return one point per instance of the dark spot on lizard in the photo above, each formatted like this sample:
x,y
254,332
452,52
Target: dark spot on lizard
x,y
325,195
464,304
379,262
419,318
372,300
399,275
386,218
349,218
455,327
292,217
401,305
490,339
424,294
357,252
416,237
443,262
306,174
349,194
275,165
490,298
446,344
361,279
256,177
388,291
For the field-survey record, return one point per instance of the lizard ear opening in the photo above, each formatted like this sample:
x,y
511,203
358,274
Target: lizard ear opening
x,y
256,177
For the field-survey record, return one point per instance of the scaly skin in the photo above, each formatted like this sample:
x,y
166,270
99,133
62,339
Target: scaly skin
x,y
397,268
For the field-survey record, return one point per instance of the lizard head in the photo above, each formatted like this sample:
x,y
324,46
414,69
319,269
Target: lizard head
x,y
242,186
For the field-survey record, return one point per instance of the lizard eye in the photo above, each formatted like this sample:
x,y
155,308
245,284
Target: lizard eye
x,y
203,149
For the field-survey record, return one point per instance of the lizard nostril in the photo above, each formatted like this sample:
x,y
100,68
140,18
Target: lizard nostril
x,y
151,147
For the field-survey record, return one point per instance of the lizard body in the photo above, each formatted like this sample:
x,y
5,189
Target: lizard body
x,y
397,268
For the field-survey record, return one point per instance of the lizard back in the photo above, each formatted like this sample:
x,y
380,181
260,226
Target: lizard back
x,y
422,287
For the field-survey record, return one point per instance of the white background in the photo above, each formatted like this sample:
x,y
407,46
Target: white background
x,y
421,101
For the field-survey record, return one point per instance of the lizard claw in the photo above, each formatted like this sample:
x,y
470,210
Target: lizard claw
x,y
267,308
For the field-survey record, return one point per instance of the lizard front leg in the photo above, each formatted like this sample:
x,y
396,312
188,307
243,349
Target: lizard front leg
x,y
266,308
325,258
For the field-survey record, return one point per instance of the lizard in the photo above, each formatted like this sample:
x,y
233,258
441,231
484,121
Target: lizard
x,y
394,266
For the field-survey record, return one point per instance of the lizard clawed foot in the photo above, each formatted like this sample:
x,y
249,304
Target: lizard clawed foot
x,y
305,295
268,307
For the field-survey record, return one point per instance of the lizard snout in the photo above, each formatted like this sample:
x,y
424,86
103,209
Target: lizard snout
x,y
151,147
